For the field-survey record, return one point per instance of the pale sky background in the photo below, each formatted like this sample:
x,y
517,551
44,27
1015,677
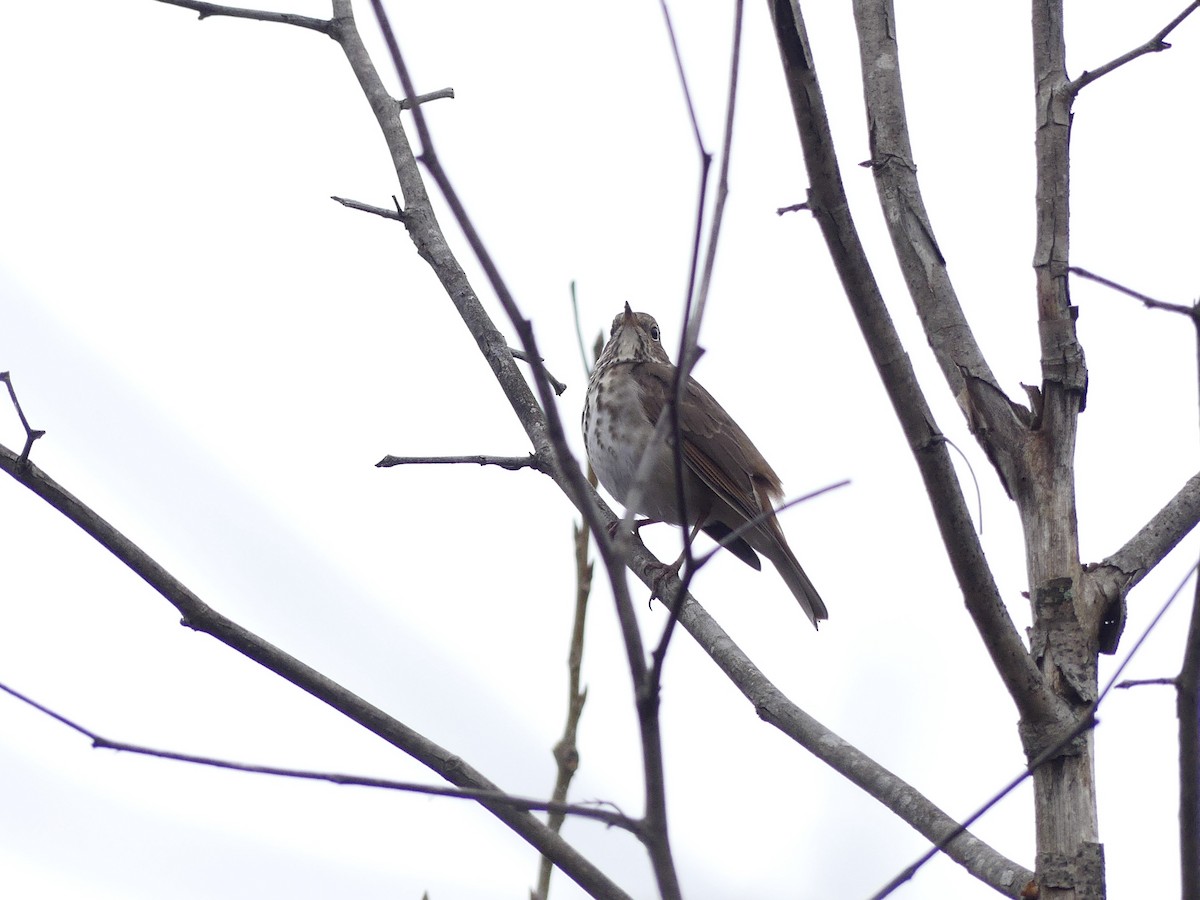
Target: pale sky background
x,y
219,355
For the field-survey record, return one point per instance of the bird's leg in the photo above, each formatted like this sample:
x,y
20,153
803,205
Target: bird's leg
x,y
637,525
673,568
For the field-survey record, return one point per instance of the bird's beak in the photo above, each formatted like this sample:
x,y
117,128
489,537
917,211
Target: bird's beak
x,y
628,314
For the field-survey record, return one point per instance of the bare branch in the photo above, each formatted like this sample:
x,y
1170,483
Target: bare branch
x,y
830,207
1187,707
1160,535
660,652
759,519
558,386
1192,312
325,26
548,426
566,752
441,94
201,617
385,212
1147,301
1085,722
494,796
512,463
1109,581
689,348
31,434
1140,682
683,82
1154,45
894,793
912,235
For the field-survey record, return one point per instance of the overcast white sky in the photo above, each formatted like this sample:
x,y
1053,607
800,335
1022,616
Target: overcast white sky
x,y
219,354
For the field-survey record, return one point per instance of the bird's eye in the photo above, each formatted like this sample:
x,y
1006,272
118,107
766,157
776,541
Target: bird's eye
x,y
654,332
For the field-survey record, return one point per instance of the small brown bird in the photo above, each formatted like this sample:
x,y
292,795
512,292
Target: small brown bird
x,y
726,483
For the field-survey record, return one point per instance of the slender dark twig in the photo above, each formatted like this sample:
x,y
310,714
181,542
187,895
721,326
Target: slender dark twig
x,y
683,82
1140,682
431,244
511,463
1148,301
31,434
832,213
689,340
1086,722
660,652
1192,312
1154,45
1187,708
759,519
524,803
654,835
202,618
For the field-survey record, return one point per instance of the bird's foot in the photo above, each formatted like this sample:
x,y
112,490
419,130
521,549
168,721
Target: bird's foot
x,y
638,524
662,573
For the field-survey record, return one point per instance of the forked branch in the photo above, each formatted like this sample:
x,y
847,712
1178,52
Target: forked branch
x,y
830,207
201,617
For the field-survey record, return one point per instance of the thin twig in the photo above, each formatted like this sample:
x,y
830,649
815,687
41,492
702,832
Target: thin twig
x,y
689,355
683,82
974,480
1154,45
1139,682
31,434
525,803
1187,708
777,710
691,338
558,386
583,357
750,524
1086,722
442,94
580,491
431,244
325,26
680,595
385,212
566,751
200,617
1148,301
512,463
689,341
831,211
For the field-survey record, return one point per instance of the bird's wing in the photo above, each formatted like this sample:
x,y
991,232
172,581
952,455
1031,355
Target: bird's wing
x,y
728,463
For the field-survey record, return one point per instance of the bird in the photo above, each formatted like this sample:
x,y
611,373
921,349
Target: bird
x,y
726,480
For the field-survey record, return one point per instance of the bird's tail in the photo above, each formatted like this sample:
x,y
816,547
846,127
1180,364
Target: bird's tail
x,y
800,585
